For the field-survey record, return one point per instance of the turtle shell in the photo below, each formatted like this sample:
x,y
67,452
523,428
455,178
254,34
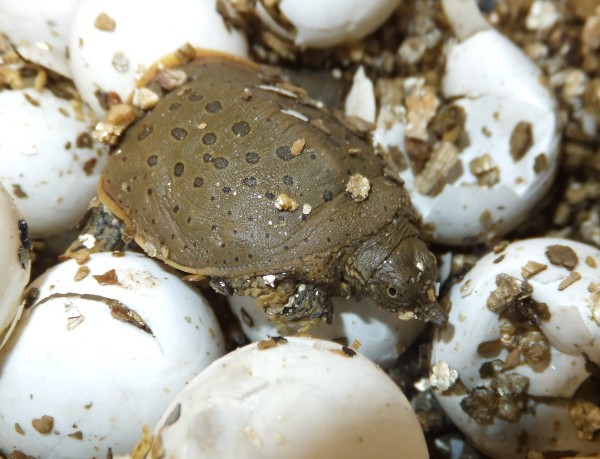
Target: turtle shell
x,y
210,178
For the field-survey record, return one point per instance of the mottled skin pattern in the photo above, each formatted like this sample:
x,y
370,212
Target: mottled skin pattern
x,y
196,181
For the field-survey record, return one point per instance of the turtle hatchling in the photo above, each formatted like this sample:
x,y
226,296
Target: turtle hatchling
x,y
236,176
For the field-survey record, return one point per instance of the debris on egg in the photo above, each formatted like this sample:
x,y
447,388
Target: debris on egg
x,y
50,163
289,397
374,332
15,263
98,354
515,356
111,46
500,121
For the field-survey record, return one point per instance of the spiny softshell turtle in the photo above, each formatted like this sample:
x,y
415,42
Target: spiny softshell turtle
x,y
241,178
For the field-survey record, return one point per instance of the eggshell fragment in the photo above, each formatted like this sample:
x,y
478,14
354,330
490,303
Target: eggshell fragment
x,y
325,23
373,331
50,163
528,314
101,350
15,265
39,30
292,398
113,42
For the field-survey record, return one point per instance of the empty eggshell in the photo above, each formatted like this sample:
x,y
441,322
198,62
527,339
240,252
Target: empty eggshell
x,y
50,163
101,350
325,23
293,398
374,332
484,184
523,325
114,42
15,265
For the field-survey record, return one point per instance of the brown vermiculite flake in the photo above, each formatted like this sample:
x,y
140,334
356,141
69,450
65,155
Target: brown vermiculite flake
x,y
509,290
535,347
573,277
562,255
43,425
532,268
521,140
481,404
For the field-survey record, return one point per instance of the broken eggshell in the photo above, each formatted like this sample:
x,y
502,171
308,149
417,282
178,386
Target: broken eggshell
x,y
360,324
113,42
325,23
484,184
293,398
523,325
50,163
15,266
101,350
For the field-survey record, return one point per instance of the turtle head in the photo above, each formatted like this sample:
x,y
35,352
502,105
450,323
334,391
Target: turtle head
x,y
405,282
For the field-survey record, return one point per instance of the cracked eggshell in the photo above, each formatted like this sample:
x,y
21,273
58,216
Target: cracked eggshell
x,y
40,30
113,42
325,23
77,380
376,333
510,158
15,265
565,276
293,398
50,163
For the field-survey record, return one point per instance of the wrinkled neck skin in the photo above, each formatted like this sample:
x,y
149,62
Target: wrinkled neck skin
x,y
372,252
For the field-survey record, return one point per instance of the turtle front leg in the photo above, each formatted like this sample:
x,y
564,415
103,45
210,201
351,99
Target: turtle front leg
x,y
307,305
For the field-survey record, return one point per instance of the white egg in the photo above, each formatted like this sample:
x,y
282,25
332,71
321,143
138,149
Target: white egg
x,y
324,23
101,350
50,164
294,398
114,42
522,325
40,30
490,184
374,332
15,265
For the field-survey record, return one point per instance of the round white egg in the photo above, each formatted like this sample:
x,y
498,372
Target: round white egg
x,y
113,42
50,163
374,332
100,351
510,159
325,23
40,30
293,398
552,287
15,265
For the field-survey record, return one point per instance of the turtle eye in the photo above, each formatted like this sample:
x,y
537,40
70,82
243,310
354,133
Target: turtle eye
x,y
392,292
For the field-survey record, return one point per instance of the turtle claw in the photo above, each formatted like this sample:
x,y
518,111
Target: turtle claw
x,y
309,304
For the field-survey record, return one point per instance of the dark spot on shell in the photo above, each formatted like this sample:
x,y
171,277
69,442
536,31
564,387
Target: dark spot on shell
x,y
241,128
328,239
249,181
222,245
212,198
152,160
327,195
174,106
226,189
144,133
269,195
153,221
249,255
207,157
178,133
284,153
195,97
313,156
178,170
189,220
198,182
220,163
237,258
287,180
176,209
286,247
267,235
250,219
252,157
209,138
214,227
149,191
214,107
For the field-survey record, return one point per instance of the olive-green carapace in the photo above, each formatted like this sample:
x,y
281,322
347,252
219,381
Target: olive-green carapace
x,y
239,176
